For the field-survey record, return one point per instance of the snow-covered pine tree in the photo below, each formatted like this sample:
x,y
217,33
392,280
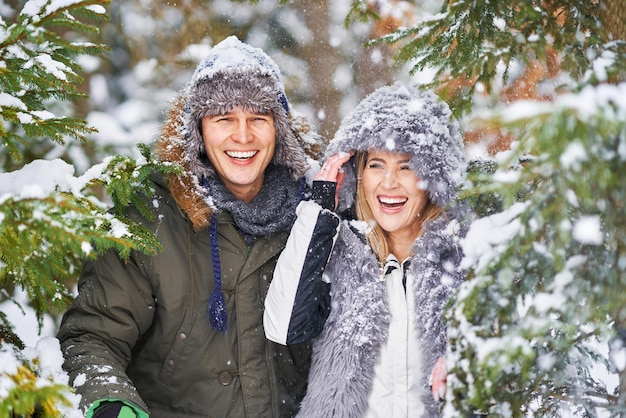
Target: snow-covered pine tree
x,y
50,221
545,292
547,274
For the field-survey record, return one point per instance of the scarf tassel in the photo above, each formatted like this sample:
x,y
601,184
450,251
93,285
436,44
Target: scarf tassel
x,y
217,315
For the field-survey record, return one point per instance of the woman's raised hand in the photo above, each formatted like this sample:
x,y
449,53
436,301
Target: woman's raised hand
x,y
331,170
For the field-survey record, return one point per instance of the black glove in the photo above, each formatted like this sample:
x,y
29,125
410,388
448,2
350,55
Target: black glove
x,y
323,193
112,409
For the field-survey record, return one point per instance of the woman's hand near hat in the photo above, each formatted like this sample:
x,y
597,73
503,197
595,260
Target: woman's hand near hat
x,y
332,171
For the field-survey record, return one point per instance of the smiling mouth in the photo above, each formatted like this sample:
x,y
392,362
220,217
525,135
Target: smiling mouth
x,y
389,202
241,155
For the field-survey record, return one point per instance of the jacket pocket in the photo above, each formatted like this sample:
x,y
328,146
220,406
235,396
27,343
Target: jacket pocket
x,y
174,359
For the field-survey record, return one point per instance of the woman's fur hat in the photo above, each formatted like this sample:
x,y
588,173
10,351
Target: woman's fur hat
x,y
402,119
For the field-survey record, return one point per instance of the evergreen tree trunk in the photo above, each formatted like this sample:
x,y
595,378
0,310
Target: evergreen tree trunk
x,y
613,17
324,61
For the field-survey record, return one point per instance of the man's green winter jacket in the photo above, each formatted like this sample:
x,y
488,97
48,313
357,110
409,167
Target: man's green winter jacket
x,y
153,310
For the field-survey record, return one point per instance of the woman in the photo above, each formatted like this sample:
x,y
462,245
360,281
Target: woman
x,y
371,290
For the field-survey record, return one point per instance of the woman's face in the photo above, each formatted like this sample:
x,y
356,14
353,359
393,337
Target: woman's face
x,y
393,193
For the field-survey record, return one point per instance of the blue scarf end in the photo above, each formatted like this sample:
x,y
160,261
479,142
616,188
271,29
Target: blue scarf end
x,y
216,314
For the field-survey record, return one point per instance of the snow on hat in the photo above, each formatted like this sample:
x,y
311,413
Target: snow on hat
x,y
235,74
402,119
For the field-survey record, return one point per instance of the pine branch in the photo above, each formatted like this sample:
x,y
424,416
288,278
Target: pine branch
x,y
32,394
45,239
126,181
38,65
361,11
7,333
470,40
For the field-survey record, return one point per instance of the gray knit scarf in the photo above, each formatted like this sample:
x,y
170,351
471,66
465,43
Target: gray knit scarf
x,y
272,210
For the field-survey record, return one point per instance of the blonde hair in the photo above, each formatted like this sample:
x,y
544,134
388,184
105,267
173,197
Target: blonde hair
x,y
378,238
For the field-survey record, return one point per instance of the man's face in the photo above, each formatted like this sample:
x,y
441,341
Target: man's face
x,y
240,145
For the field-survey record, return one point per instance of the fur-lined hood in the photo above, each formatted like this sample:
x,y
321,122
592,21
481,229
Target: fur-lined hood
x,y
402,119
233,74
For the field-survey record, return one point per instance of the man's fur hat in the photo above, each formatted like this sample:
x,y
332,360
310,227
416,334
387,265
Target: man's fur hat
x,y
233,74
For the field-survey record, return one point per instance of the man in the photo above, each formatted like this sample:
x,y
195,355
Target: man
x,y
180,334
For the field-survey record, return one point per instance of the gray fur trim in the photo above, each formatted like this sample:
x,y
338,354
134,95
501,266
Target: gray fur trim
x,y
435,264
402,119
345,354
